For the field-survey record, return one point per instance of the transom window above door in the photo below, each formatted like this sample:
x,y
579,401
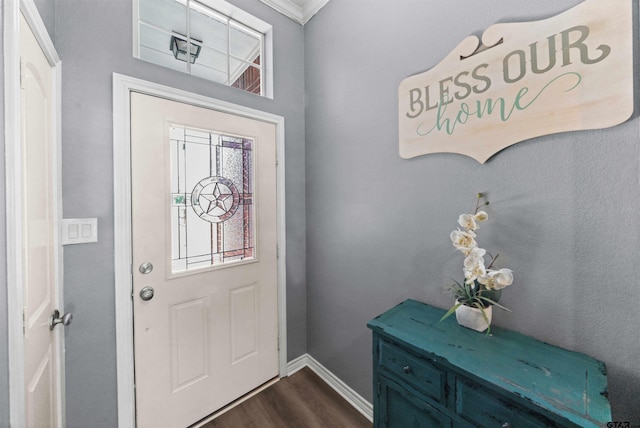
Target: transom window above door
x,y
200,38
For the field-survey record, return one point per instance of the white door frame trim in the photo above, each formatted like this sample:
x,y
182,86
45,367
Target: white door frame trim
x,y
122,87
13,174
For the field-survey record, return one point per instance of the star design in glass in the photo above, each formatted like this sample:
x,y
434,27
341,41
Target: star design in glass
x,y
217,199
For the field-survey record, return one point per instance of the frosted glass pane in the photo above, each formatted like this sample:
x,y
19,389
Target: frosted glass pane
x,y
212,219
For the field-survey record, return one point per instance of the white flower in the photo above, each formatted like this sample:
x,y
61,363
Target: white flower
x,y
504,277
481,216
478,277
497,279
474,266
489,280
468,221
463,240
476,254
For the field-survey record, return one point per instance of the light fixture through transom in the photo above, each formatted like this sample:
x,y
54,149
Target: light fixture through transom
x,y
181,50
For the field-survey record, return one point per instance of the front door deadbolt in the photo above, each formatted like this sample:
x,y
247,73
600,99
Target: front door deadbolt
x,y
145,268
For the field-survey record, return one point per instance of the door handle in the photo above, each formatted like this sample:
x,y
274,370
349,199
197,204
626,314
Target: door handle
x,y
56,319
146,293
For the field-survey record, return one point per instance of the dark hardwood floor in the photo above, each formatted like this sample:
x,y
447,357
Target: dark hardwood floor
x,y
302,400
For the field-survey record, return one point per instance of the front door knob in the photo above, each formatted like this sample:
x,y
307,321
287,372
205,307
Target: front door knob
x,y
56,319
146,293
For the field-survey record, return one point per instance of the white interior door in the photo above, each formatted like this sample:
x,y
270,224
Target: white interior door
x,y
204,259
42,345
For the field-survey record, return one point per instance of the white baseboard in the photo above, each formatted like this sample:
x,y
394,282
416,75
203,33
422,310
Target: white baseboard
x,y
352,397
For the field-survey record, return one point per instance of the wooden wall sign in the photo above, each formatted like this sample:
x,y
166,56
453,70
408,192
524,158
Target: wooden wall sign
x,y
571,72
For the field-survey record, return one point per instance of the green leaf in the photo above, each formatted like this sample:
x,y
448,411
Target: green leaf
x,y
484,315
491,302
450,311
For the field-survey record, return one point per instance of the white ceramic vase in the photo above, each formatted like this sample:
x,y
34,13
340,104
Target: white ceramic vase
x,y
472,317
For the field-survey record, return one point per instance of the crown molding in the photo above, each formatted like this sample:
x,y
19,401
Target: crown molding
x,y
300,14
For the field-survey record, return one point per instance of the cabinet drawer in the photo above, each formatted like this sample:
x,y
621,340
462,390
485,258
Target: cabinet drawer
x,y
399,408
483,408
416,371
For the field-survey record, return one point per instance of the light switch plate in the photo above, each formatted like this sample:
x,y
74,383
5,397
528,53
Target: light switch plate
x,y
79,230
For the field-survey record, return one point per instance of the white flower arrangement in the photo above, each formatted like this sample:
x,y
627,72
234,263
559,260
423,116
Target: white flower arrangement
x,y
483,283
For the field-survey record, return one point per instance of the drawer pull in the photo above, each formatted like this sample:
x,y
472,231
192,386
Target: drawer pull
x,y
506,425
407,369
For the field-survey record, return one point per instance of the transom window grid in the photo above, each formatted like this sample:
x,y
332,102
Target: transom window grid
x,y
230,52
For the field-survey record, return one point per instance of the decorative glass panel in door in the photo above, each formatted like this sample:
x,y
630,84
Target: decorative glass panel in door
x,y
211,194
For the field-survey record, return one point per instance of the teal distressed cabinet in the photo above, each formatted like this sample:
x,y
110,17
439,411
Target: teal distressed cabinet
x,y
428,373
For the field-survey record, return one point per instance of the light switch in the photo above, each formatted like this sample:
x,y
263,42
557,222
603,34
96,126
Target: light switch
x,y
73,231
87,230
79,230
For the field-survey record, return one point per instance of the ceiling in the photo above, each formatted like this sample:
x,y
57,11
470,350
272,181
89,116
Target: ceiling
x,y
300,11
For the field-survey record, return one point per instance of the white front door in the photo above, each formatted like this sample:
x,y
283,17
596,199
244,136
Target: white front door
x,y
205,301
42,345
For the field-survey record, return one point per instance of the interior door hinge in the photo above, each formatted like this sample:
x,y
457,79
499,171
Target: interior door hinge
x,y
378,388
277,251
22,79
24,320
131,273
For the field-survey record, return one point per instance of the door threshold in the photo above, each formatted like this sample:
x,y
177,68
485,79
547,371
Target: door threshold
x,y
235,403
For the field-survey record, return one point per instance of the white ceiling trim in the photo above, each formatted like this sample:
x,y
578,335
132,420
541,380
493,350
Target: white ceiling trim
x,y
300,11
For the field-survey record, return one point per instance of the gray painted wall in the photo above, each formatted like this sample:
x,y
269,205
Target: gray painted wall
x,y
47,11
562,215
4,355
94,39
562,208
